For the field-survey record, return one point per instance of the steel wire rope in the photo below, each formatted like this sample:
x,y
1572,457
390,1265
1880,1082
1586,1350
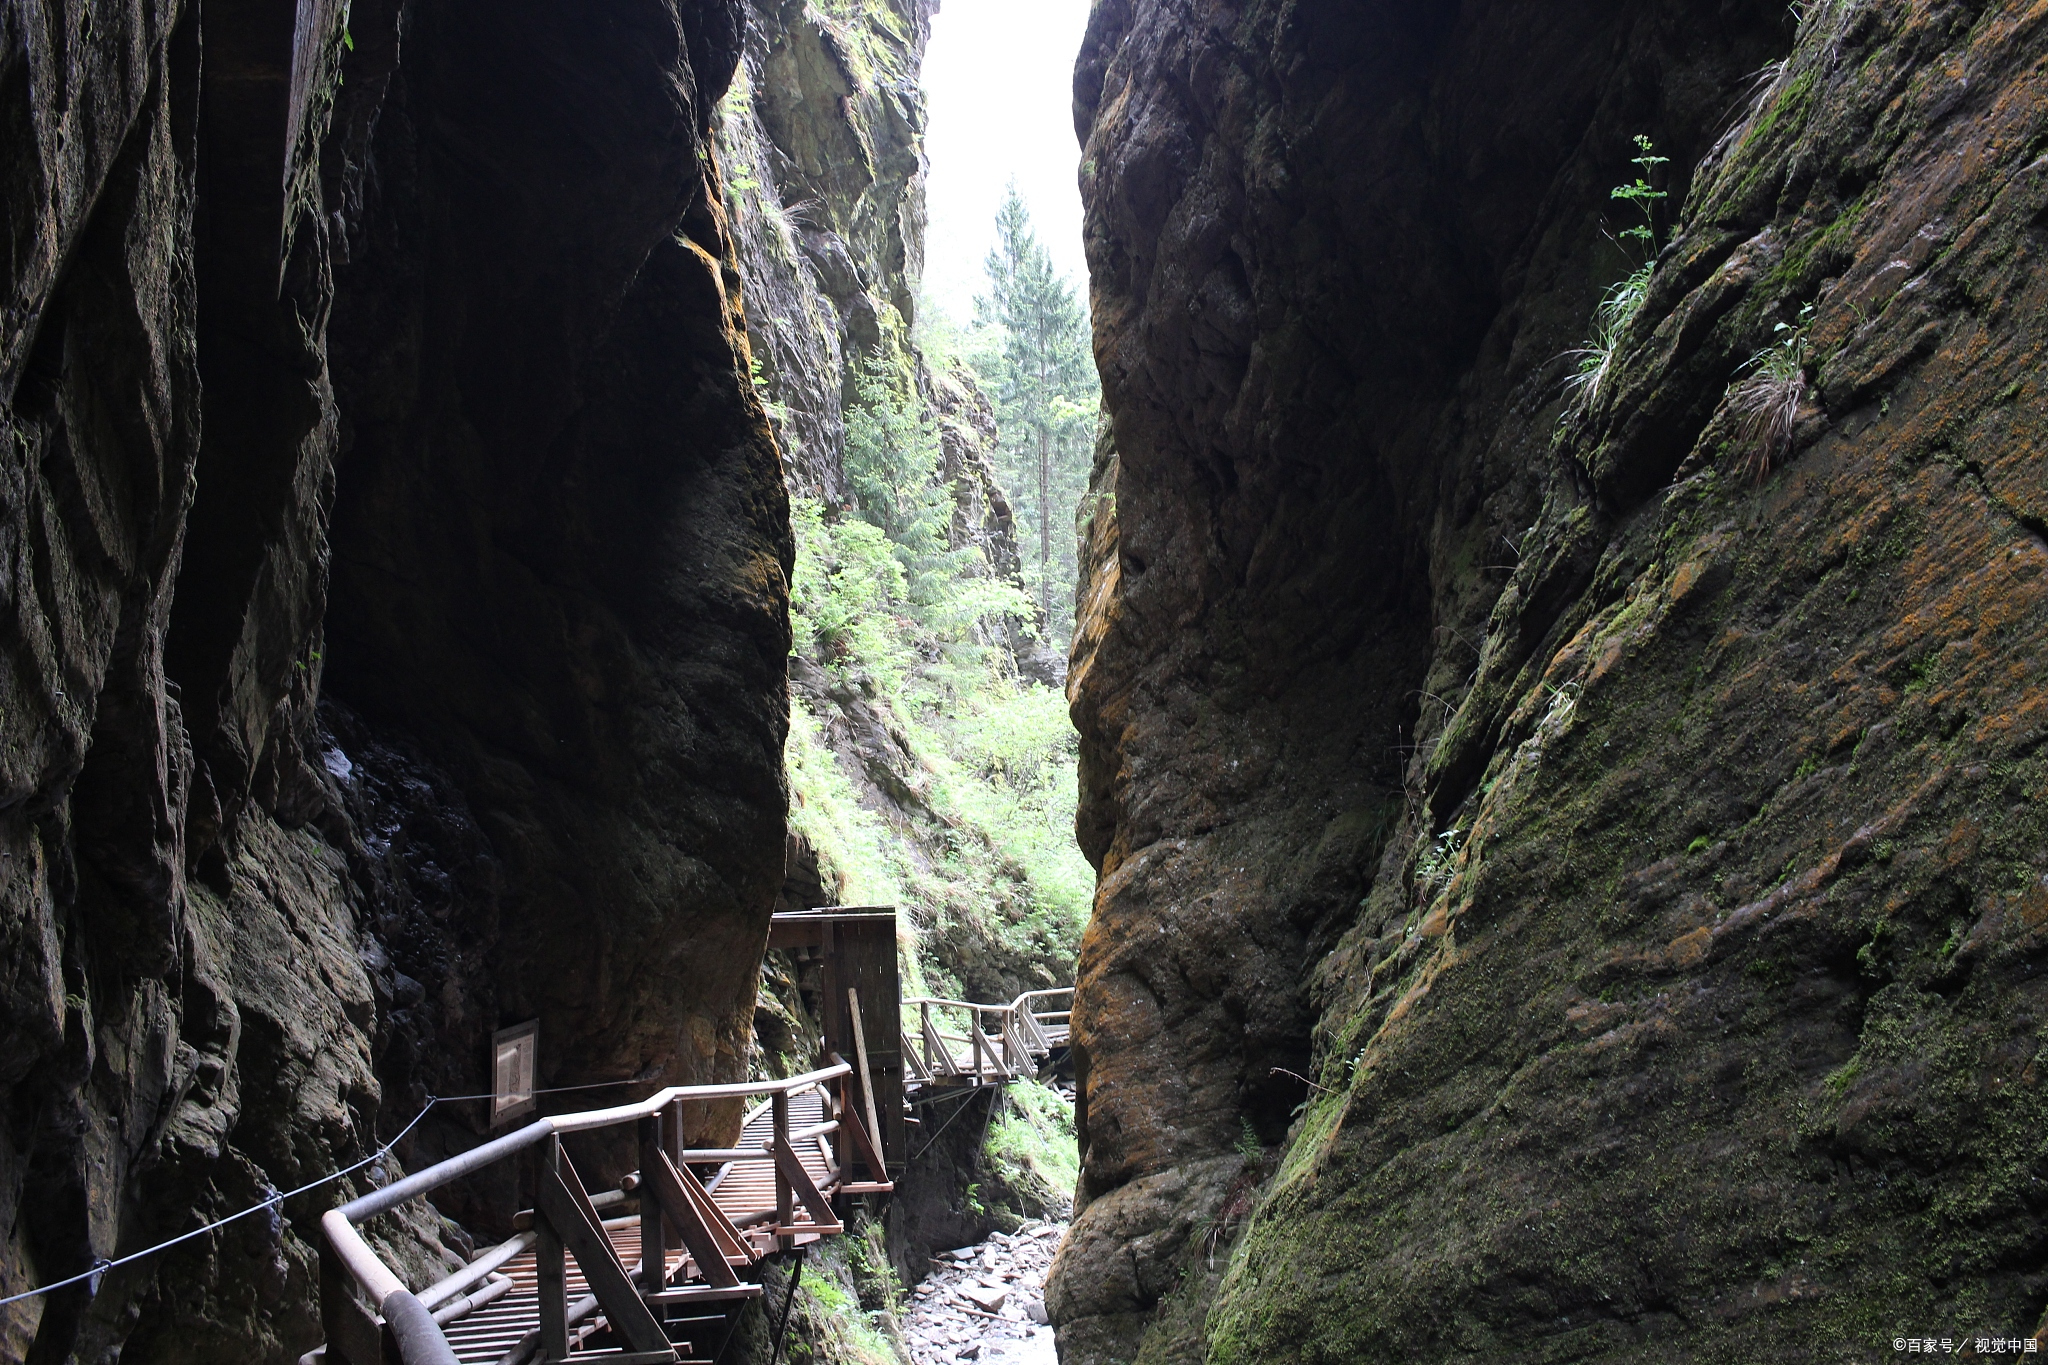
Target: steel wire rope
x,y
102,1265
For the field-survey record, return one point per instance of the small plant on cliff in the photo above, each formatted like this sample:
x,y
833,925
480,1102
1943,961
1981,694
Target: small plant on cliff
x,y
1438,861
1596,358
1623,300
1766,402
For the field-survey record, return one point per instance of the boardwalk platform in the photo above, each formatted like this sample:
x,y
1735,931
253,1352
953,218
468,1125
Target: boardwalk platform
x,y
505,1330
960,1043
653,1272
575,1283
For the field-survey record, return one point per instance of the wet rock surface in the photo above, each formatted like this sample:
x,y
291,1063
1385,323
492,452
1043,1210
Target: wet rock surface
x,y
1640,859
986,1303
305,395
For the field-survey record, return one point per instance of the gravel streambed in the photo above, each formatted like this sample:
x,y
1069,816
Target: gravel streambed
x,y
986,1303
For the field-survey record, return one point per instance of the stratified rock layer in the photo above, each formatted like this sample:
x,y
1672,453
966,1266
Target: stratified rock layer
x,y
1640,864
458,275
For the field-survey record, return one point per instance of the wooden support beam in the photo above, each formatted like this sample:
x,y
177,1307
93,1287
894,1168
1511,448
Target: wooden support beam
x,y
666,1184
918,1070
798,1181
704,1293
860,1052
982,1050
736,1245
785,1208
863,1146
937,1048
550,1272
564,1206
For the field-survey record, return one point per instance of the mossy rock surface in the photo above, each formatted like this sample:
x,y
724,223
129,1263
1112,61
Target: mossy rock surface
x,y
1684,1004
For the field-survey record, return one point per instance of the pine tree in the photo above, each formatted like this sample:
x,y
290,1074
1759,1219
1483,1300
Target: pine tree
x,y
1045,384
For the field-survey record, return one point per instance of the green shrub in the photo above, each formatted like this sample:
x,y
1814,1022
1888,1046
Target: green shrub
x,y
1766,401
1031,1146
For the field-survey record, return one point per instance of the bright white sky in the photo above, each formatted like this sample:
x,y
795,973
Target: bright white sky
x,y
999,80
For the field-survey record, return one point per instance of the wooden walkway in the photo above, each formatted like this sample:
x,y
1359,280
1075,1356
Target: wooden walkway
x,y
505,1330
653,1273
573,1283
960,1043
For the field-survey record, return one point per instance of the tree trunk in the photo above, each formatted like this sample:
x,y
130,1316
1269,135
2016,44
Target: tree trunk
x,y
1044,526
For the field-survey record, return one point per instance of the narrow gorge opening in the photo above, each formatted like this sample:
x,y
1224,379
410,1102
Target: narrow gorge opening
x,y
901,184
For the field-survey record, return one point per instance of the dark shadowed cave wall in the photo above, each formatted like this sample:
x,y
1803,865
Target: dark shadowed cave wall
x,y
1637,867
395,617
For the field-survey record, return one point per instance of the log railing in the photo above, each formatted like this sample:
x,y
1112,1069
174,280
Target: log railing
x,y
960,1042
398,1325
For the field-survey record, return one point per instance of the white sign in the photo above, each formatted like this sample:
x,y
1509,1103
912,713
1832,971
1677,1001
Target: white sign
x,y
514,1061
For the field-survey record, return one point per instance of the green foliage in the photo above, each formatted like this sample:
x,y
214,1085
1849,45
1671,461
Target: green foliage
x,y
1012,752
1643,195
866,1250
862,849
1439,860
996,754
1036,355
832,1325
892,462
848,598
1032,1147
1618,307
1766,402
777,410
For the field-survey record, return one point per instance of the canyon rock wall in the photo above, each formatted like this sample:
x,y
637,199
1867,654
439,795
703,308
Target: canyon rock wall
x,y
822,135
395,616
1563,896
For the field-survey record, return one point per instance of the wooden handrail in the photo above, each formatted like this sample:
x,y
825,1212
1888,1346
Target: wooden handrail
x,y
1017,1029
422,1341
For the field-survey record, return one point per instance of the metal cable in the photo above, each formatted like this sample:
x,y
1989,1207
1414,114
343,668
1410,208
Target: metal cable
x,y
102,1265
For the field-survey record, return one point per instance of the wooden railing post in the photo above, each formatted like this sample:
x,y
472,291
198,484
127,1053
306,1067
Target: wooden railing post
x,y
549,1270
653,1241
924,1016
982,1051
785,1205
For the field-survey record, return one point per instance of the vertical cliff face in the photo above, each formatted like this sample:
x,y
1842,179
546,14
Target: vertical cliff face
x,y
823,134
561,537
428,309
1634,860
